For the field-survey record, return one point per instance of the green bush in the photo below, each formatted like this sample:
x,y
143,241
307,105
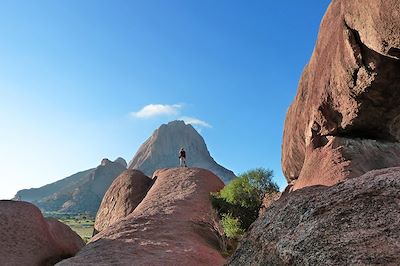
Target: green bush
x,y
231,225
241,199
246,215
249,188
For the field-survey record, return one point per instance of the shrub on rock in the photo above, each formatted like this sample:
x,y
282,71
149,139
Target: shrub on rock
x,y
242,198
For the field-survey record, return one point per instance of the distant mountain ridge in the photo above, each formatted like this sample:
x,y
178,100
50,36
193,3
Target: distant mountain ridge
x,y
79,193
82,192
161,151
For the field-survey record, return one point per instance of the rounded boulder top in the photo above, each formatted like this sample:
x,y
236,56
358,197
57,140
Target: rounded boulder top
x,y
173,225
121,198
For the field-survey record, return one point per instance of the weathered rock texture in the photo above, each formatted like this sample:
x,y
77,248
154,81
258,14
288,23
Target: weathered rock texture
x,y
79,193
123,196
356,222
268,200
173,225
161,151
348,99
26,238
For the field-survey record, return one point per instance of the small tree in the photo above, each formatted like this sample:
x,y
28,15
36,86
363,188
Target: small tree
x,y
241,199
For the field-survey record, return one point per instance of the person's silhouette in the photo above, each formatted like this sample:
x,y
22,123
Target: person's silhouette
x,y
182,157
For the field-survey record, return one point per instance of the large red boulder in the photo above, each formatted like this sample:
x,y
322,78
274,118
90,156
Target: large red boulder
x,y
351,90
356,222
173,225
27,238
121,198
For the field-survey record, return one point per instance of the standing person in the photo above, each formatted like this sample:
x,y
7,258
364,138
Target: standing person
x,y
182,158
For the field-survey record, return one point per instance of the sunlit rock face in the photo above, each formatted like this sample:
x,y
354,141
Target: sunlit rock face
x,y
348,99
122,197
27,238
174,224
343,124
161,151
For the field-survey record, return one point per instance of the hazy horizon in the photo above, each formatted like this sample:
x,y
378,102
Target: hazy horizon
x,y
82,81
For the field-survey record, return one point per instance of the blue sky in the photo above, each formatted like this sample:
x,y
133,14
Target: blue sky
x,y
73,74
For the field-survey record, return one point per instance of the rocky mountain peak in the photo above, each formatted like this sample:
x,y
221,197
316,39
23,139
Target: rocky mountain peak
x,y
105,161
121,161
161,151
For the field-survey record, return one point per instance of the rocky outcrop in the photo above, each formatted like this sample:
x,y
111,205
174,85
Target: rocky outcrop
x,y
348,99
268,199
121,161
343,158
79,193
123,196
173,225
68,241
356,222
344,122
26,238
161,151
105,162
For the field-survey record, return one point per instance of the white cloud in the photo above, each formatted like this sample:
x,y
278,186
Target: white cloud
x,y
153,110
195,121
171,110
